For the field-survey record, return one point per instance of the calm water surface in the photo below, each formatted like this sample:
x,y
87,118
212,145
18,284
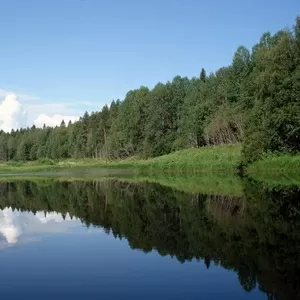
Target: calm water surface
x,y
117,240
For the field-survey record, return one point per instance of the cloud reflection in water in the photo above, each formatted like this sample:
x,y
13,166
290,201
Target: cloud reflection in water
x,y
14,224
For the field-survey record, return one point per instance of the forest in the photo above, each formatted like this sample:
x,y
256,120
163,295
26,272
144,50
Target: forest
x,y
255,101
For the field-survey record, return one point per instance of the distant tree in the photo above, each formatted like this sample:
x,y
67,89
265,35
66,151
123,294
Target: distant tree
x,y
203,75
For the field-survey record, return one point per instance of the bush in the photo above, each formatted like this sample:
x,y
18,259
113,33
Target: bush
x,y
46,161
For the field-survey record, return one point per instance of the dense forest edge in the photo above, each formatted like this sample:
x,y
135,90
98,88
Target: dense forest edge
x,y
243,116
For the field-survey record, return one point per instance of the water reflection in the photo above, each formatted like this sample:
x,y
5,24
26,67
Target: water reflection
x,y
14,224
256,235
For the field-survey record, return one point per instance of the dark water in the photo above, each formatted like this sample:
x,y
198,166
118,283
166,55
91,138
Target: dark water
x,y
117,240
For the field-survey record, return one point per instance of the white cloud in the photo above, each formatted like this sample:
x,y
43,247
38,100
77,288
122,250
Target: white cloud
x,y
53,121
15,115
22,97
52,216
51,114
14,224
12,114
8,229
22,110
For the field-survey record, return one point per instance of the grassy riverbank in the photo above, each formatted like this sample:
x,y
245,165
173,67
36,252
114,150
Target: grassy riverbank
x,y
218,159
207,159
281,169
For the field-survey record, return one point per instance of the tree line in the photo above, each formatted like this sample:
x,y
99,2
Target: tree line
x,y
254,101
253,235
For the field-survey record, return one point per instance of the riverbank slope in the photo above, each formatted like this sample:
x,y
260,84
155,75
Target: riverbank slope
x,y
216,159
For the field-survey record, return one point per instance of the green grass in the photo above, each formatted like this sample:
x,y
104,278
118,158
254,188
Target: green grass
x,y
206,159
212,184
276,169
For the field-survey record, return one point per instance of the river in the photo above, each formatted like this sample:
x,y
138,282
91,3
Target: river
x,y
119,239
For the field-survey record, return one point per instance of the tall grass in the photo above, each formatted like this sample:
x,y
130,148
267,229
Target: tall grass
x,y
280,169
217,159
206,159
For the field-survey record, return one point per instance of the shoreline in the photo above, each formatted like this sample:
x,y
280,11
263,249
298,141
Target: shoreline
x,y
222,160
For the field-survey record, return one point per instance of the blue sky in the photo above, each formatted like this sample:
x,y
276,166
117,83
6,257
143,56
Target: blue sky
x,y
84,53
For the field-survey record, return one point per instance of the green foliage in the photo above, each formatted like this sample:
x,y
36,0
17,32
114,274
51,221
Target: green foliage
x,y
274,122
203,75
282,167
207,159
46,161
254,101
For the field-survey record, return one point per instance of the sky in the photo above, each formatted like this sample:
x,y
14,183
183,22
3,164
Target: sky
x,y
59,58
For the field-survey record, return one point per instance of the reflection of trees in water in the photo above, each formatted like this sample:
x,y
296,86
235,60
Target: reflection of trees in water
x,y
257,235
226,208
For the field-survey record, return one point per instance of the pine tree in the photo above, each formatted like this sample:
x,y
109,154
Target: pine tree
x,y
203,75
